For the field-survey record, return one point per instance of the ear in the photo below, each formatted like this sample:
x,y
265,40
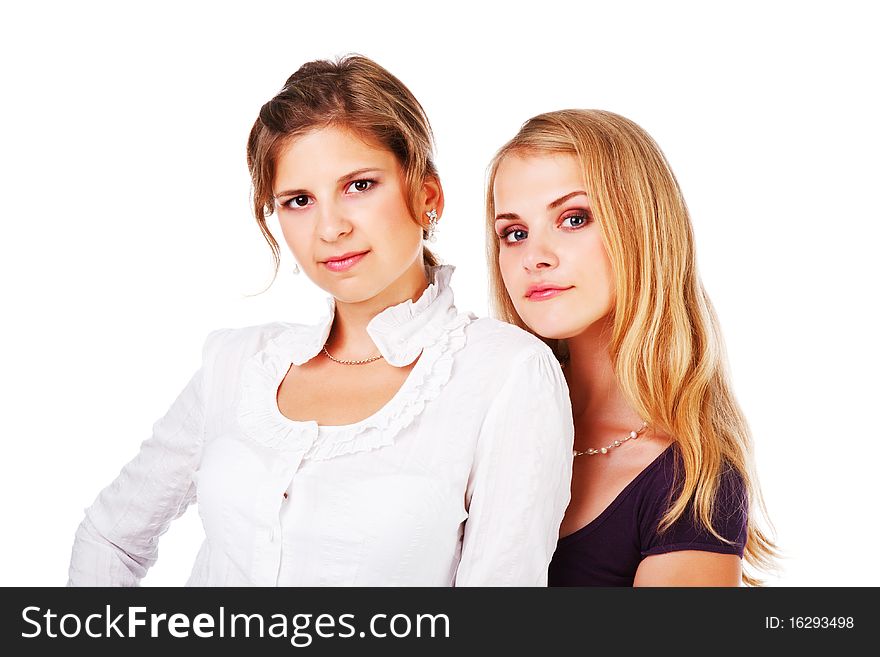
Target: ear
x,y
432,197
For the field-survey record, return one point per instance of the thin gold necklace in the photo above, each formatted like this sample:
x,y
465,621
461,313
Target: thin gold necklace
x,y
349,362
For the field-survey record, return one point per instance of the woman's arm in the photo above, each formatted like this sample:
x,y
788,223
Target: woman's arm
x,y
690,568
520,484
117,542
688,554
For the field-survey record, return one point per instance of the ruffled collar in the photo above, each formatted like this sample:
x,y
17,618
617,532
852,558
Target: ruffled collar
x,y
400,332
430,326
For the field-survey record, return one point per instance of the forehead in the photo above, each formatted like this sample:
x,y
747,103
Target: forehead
x,y
534,180
327,153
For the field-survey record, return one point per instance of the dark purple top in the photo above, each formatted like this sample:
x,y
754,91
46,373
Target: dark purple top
x,y
608,550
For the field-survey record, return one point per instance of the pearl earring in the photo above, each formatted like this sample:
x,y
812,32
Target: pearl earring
x,y
432,225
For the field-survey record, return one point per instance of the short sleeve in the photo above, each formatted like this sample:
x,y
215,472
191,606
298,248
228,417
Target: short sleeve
x,y
117,542
729,518
521,478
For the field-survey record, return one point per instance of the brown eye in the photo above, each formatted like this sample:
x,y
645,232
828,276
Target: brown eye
x,y
301,201
360,185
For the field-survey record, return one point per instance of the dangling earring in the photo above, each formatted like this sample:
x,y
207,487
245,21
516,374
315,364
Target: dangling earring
x,y
432,226
295,269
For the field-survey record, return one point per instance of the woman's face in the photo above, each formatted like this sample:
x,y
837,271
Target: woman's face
x,y
341,204
553,261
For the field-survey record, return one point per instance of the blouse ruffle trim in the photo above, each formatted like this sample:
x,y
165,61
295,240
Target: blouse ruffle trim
x,y
382,428
263,423
401,332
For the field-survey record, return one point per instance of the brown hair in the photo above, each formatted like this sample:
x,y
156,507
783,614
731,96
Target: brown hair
x,y
666,346
353,92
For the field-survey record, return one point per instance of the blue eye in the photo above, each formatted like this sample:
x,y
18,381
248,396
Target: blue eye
x,y
515,235
575,220
360,186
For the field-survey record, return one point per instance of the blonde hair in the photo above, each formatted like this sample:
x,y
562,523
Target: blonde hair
x,y
665,344
353,92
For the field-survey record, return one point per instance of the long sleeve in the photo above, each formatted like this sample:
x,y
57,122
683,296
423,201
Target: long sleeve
x,y
520,483
117,542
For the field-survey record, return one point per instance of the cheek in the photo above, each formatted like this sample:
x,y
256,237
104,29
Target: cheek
x,y
387,215
510,267
400,238
387,201
595,271
507,263
509,279
295,235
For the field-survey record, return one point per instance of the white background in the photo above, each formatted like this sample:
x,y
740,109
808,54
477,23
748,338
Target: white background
x,y
127,236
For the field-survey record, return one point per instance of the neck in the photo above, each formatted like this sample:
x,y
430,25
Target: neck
x,y
349,339
598,404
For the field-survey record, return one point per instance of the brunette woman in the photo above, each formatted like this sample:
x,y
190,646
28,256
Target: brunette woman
x,y
398,442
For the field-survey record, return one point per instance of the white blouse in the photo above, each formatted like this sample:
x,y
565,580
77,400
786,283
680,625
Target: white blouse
x,y
461,479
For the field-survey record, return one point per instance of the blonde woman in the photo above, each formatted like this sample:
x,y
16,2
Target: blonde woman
x,y
590,247
399,441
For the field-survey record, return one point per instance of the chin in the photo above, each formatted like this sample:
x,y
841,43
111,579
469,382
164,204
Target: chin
x,y
354,289
349,295
557,325
544,327
554,331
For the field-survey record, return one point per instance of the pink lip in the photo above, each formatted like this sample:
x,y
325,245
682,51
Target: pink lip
x,y
541,292
345,261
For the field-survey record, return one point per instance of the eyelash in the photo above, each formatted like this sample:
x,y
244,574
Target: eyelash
x,y
290,205
583,214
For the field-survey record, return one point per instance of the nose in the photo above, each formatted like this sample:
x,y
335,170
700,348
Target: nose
x,y
538,255
332,224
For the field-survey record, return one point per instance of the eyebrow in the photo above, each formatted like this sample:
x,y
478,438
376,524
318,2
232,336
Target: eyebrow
x,y
340,180
550,206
